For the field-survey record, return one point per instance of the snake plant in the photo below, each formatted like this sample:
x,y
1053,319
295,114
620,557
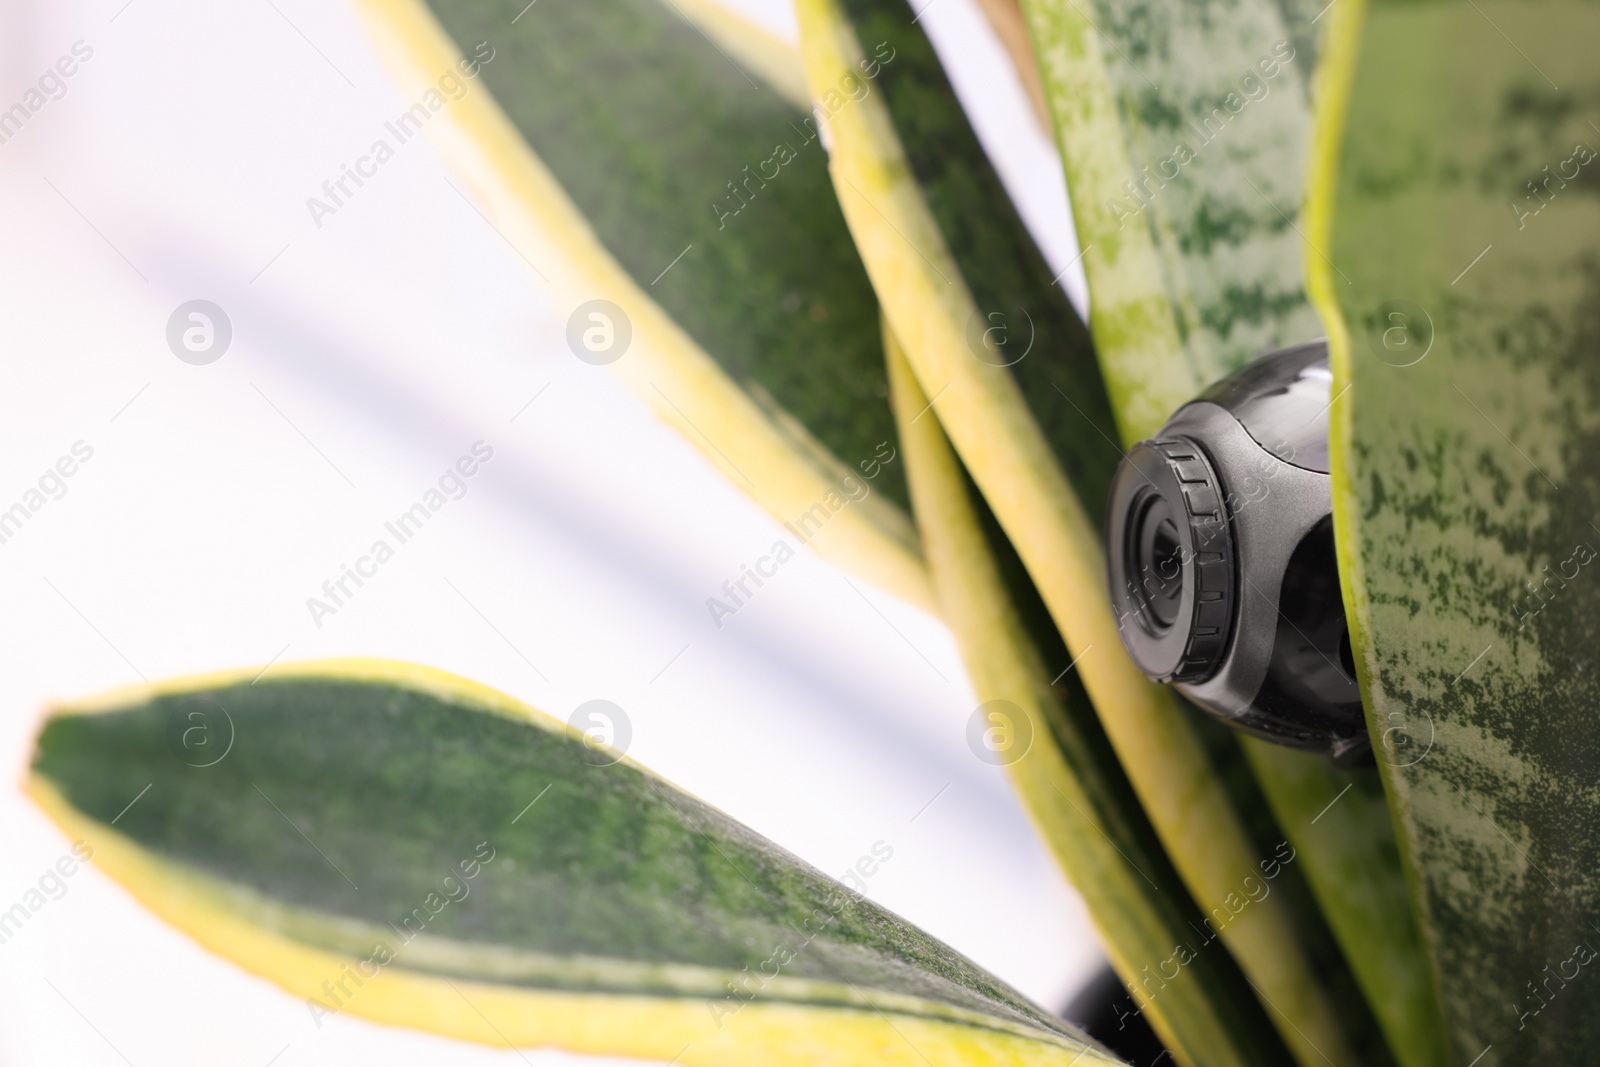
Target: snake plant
x,y
812,258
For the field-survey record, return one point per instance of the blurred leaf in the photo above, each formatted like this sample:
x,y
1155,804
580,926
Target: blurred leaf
x,y
1063,767
629,154
1453,196
941,241
402,844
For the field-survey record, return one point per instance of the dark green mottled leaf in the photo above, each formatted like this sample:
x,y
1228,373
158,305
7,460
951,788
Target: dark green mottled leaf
x,y
366,804
658,156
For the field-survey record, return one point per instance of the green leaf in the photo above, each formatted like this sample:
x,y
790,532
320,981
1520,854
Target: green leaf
x,y
670,166
940,242
1184,128
976,259
1063,766
401,844
1466,481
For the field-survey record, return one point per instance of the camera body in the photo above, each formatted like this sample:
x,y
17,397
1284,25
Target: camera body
x,y
1221,558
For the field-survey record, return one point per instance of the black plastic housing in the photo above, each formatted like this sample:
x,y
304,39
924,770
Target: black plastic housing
x,y
1221,556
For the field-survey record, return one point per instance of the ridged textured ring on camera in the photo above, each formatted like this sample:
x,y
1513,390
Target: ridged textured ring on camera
x,y
1194,495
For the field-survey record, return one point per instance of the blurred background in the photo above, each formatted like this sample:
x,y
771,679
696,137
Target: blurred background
x,y
365,356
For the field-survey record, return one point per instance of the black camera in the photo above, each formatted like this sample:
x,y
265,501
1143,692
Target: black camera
x,y
1222,565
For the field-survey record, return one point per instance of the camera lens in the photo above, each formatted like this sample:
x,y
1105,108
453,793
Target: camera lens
x,y
1156,564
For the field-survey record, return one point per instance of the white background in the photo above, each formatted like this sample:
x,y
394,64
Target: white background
x,y
366,357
